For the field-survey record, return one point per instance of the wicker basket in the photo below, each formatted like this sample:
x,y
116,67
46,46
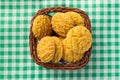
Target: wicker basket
x,y
62,64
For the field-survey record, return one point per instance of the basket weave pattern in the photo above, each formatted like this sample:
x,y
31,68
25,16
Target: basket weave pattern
x,y
62,64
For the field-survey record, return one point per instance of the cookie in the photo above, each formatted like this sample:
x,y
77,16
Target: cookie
x,y
58,50
78,36
61,23
41,26
77,42
46,49
68,54
77,18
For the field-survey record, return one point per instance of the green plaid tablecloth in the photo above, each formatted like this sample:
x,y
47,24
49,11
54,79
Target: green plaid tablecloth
x,y
15,59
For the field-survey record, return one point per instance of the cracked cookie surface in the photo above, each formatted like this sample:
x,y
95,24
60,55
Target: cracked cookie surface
x,y
61,23
58,50
77,42
46,49
77,18
41,26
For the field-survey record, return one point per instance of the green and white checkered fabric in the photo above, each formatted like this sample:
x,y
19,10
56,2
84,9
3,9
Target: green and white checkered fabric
x,y
15,59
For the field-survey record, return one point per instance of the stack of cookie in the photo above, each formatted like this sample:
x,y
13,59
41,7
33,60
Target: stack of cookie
x,y
71,41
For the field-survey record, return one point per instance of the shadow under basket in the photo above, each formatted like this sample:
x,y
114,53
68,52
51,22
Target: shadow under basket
x,y
62,64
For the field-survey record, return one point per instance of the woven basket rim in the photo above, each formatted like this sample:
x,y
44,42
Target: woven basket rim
x,y
62,65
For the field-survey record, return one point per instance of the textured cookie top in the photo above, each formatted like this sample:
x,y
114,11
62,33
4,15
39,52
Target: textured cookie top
x,y
68,54
46,49
62,23
41,26
81,37
77,42
58,50
78,20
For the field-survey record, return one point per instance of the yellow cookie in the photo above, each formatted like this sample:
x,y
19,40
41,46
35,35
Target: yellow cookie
x,y
77,42
58,50
62,23
68,54
78,20
41,26
46,49
79,36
